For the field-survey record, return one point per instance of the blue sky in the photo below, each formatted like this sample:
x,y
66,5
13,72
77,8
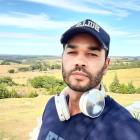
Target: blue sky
x,y
35,26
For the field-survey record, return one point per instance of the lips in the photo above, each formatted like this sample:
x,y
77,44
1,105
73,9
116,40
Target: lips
x,y
79,75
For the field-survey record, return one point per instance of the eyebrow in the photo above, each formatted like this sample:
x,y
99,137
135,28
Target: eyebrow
x,y
91,48
71,46
94,49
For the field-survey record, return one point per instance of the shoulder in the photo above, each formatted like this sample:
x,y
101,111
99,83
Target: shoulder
x,y
49,106
114,112
120,123
127,129
50,102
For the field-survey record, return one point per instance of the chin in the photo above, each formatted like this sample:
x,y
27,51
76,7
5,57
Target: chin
x,y
77,82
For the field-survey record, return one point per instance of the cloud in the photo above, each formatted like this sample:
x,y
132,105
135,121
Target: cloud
x,y
116,32
31,48
120,6
27,36
73,5
39,22
124,34
10,44
121,32
134,41
42,22
103,7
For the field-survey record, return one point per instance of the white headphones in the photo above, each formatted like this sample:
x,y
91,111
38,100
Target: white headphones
x,y
91,103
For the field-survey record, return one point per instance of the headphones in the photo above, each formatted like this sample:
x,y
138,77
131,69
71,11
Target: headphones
x,y
91,103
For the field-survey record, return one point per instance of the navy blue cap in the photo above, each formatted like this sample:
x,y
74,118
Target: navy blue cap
x,y
90,27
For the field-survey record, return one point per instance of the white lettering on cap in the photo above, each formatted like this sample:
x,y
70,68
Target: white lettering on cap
x,y
89,24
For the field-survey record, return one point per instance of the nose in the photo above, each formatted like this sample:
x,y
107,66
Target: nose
x,y
80,61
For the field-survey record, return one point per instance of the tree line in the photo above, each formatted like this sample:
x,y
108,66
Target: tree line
x,y
120,65
38,66
52,86
117,87
5,92
45,66
50,83
6,61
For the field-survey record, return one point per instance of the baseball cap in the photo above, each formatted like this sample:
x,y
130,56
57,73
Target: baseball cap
x,y
90,27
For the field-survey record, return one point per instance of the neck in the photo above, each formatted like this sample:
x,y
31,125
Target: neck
x,y
73,104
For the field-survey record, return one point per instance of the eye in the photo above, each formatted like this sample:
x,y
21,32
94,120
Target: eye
x,y
92,54
71,53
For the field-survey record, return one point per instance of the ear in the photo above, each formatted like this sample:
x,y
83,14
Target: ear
x,y
61,60
107,62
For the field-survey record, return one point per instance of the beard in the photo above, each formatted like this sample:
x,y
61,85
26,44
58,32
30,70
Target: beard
x,y
94,80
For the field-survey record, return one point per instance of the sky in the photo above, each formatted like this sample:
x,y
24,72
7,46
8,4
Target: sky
x,y
34,27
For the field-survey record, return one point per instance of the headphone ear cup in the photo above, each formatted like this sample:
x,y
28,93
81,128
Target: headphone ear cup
x,y
81,105
92,103
59,108
64,107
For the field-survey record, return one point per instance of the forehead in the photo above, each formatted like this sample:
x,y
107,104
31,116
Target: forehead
x,y
84,39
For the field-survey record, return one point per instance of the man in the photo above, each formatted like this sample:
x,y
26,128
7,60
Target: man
x,y
84,62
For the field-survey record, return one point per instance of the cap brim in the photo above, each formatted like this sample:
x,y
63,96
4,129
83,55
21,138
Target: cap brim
x,y
77,30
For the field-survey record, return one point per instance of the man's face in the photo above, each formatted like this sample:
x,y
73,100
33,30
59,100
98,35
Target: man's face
x,y
83,63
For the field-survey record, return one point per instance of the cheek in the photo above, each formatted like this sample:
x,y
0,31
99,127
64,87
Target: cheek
x,y
67,62
96,66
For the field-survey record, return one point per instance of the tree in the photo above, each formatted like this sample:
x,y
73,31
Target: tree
x,y
28,81
48,82
118,61
4,62
3,91
13,93
114,86
11,71
32,94
23,69
105,87
58,89
131,88
51,91
138,90
37,82
7,80
123,89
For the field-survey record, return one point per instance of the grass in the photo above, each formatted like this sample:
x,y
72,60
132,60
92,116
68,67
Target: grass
x,y
124,99
4,68
124,76
21,77
53,61
18,118
26,89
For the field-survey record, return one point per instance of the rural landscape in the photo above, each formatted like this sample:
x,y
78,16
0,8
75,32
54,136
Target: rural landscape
x,y
27,82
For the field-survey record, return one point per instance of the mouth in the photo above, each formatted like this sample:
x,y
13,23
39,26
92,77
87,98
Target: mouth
x,y
79,75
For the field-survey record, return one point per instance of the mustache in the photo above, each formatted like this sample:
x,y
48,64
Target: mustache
x,y
80,69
